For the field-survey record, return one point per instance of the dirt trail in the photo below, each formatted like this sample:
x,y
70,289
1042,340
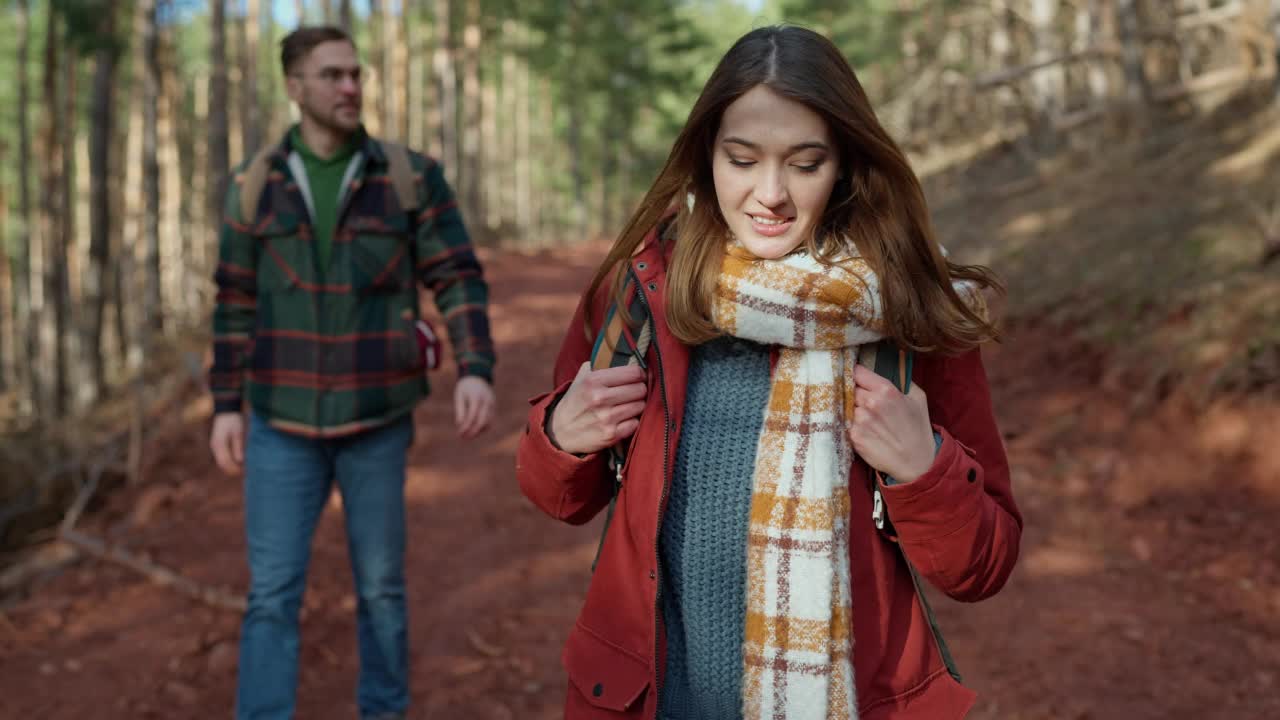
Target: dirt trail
x,y
1148,586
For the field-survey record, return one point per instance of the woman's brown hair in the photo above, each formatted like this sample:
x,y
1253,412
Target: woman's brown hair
x,y
878,205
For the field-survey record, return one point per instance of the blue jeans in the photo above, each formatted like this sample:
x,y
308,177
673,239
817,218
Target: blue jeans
x,y
287,482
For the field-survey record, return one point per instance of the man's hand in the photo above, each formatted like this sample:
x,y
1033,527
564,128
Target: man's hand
x,y
889,430
473,403
226,440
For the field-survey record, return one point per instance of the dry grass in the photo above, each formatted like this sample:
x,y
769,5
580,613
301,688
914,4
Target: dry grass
x,y
1160,248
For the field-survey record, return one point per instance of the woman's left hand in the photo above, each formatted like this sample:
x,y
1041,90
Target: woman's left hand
x,y
889,430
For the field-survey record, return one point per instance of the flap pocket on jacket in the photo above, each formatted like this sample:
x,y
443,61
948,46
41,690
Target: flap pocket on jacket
x,y
380,254
607,676
283,257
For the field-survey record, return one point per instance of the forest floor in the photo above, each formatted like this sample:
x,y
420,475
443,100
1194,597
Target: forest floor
x,y
1149,584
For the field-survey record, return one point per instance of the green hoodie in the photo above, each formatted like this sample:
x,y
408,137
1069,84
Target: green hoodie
x,y
324,177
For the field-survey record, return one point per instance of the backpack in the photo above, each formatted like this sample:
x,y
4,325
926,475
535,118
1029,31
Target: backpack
x,y
400,171
624,339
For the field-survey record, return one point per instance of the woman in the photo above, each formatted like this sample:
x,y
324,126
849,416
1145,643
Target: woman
x,y
741,573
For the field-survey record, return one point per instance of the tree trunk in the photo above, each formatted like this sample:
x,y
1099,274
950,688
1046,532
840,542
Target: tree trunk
x,y
219,153
491,172
7,337
344,16
524,148
1046,83
1275,45
471,114
375,86
199,221
235,81
545,206
502,169
250,103
23,326
277,113
626,153
103,111
176,290
53,225
429,82
1137,89
448,94
398,90
1098,30
416,76
151,167
576,171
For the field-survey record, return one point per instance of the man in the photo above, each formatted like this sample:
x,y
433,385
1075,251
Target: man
x,y
321,246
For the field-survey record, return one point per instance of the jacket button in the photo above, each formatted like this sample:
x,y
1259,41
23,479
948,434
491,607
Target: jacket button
x,y
598,690
973,474
653,287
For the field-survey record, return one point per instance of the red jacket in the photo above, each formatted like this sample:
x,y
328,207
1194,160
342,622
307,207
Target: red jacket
x,y
958,523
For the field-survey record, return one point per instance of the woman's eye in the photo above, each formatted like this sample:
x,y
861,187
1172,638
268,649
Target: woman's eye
x,y
741,163
809,167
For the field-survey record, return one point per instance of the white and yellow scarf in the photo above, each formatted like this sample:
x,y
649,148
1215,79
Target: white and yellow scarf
x,y
798,652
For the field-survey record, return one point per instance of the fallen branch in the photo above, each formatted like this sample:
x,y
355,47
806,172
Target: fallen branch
x,y
216,597
484,647
156,573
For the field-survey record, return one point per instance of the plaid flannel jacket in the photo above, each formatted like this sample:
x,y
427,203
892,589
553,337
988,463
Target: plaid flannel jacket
x,y
326,353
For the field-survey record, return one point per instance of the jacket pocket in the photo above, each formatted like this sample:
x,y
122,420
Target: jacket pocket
x,y
381,261
605,675
283,259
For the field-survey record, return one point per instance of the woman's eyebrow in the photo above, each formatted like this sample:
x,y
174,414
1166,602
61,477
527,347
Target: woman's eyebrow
x,y
808,145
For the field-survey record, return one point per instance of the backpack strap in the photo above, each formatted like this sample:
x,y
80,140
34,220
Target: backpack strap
x,y
624,339
400,172
253,179
893,362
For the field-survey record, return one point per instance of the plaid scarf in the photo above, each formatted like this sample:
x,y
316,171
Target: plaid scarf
x,y
797,655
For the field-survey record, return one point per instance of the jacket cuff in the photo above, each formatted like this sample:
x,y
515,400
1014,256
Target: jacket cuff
x,y
560,461
943,500
484,371
937,445
227,404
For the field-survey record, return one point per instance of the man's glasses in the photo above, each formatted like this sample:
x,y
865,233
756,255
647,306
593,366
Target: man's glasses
x,y
334,76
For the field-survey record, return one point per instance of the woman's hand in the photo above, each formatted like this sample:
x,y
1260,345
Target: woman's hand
x,y
889,430
600,408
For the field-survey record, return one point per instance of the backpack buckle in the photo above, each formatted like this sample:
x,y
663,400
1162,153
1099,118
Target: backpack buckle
x,y
877,509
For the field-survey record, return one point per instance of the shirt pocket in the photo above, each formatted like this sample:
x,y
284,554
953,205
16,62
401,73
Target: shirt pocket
x,y
380,260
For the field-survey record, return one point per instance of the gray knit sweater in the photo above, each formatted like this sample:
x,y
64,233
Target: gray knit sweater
x,y
704,531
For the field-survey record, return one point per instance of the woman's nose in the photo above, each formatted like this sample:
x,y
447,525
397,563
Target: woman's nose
x,y
771,190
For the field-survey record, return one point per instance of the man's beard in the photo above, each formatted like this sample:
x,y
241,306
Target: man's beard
x,y
330,120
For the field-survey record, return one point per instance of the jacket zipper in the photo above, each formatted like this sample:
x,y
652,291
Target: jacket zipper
x,y
662,500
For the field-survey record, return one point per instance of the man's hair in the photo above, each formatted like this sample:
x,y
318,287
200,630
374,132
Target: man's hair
x,y
298,44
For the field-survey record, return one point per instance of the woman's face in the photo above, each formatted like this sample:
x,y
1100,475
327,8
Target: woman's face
x,y
774,164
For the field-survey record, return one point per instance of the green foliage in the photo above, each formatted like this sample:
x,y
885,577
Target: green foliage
x,y
622,74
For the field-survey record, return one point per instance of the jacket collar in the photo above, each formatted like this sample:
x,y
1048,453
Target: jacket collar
x,y
365,144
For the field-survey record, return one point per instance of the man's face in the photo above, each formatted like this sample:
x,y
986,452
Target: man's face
x,y
326,86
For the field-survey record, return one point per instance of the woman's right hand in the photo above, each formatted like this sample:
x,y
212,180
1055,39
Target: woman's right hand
x,y
600,408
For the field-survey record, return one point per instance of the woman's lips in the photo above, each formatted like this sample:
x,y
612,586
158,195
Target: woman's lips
x,y
770,226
